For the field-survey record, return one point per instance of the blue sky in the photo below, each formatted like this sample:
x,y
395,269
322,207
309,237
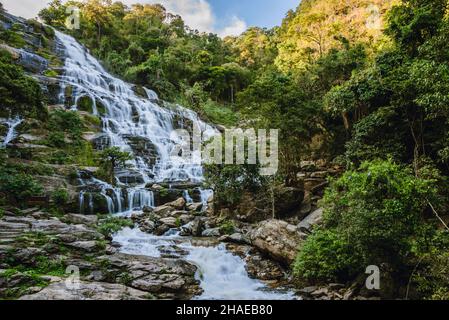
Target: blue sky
x,y
262,13
225,17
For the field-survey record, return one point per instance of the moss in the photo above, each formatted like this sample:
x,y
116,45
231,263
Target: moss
x,y
227,227
51,73
101,108
85,103
94,121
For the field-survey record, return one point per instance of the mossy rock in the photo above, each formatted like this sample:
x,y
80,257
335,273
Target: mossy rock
x,y
68,94
85,103
51,73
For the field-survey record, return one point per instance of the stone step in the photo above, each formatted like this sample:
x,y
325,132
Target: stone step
x,y
7,241
30,211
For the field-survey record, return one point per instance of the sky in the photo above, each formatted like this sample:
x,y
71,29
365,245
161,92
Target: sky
x,y
224,17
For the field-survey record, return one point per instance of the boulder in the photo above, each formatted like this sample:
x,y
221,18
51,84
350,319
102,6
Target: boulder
x,y
87,291
193,228
235,238
278,239
313,219
178,204
170,222
163,211
288,200
212,232
195,207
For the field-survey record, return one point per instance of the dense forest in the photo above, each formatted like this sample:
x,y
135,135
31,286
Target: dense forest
x,y
362,90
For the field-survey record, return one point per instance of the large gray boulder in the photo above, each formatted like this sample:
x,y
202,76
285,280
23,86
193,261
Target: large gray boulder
x,y
312,220
278,239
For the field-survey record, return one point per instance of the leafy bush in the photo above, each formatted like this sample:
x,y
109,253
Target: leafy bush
x,y
326,255
19,93
230,181
111,225
18,187
374,216
60,197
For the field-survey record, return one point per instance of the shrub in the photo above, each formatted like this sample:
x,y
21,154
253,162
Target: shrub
x,y
18,187
376,214
111,225
326,255
230,181
60,197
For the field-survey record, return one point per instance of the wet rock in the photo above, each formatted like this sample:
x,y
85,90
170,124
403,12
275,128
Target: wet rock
x,y
278,239
147,225
312,220
195,207
163,210
161,230
87,291
178,204
185,219
213,232
193,228
170,222
235,238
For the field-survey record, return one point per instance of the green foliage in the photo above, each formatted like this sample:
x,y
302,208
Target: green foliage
x,y
111,225
18,186
227,227
60,197
230,181
19,93
111,159
376,214
327,256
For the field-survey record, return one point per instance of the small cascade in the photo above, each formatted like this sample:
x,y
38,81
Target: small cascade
x,y
12,124
222,275
187,196
205,196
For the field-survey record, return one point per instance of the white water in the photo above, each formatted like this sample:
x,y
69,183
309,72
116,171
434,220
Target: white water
x,y
222,275
12,124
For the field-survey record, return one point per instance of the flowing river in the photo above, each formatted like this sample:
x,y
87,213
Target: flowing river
x,y
126,117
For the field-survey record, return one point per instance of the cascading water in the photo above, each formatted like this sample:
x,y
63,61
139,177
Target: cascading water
x,y
223,275
127,117
12,124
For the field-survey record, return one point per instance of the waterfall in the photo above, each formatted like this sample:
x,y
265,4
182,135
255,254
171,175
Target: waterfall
x,y
12,124
126,118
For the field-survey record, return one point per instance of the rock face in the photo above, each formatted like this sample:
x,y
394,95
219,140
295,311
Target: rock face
x,y
105,274
311,221
288,200
164,278
87,291
278,239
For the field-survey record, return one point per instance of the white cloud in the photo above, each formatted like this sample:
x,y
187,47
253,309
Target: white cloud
x,y
197,14
236,27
